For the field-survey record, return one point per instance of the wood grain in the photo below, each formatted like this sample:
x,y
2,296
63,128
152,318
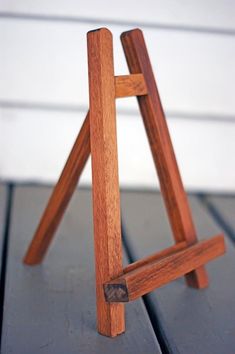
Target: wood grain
x,y
148,277
162,150
106,196
156,256
60,196
130,85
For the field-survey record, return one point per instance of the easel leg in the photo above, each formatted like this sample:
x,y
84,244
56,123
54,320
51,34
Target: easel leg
x,y
106,198
155,124
60,196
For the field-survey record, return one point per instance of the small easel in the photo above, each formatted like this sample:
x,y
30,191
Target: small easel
x,y
115,284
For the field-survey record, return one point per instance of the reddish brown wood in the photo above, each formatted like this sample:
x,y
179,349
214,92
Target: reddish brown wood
x,y
60,196
162,150
98,135
140,281
130,85
156,256
106,198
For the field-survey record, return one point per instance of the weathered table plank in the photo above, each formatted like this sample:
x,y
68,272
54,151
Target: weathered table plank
x,y
3,206
51,308
191,321
223,208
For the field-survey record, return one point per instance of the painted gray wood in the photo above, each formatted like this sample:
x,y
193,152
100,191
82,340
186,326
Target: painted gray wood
x,y
191,321
223,208
3,204
51,308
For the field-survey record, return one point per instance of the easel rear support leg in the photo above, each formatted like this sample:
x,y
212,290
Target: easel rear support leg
x,y
60,196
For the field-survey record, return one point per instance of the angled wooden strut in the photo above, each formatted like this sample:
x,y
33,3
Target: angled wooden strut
x,y
115,284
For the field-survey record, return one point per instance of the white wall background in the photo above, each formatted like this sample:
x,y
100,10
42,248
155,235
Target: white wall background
x,y
44,86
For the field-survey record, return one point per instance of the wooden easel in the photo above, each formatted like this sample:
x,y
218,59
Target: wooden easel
x,y
115,284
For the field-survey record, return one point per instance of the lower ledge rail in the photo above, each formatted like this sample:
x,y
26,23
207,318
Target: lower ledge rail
x,y
154,272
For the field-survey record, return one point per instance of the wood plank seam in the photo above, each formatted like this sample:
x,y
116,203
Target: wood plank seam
x,y
5,217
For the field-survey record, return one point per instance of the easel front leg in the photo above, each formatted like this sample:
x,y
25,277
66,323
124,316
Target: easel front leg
x,y
106,196
60,196
162,150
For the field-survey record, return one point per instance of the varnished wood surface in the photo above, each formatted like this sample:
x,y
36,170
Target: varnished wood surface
x,y
156,256
146,278
105,182
130,85
162,150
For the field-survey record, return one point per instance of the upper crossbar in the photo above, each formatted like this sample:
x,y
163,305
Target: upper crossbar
x,y
130,85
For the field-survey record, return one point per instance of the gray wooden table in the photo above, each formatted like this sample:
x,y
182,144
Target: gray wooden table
x,y
50,308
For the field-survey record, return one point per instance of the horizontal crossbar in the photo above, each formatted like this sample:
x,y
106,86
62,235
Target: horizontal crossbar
x,y
148,276
130,85
156,256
